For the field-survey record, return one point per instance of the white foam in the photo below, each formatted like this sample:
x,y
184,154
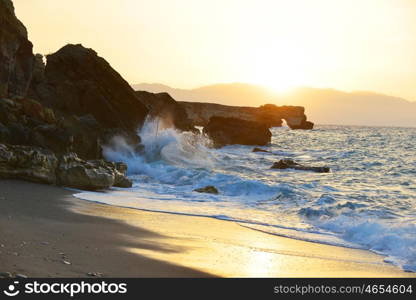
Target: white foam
x,y
359,204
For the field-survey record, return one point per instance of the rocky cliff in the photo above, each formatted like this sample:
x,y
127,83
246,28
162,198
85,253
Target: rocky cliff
x,y
162,105
16,57
54,118
269,114
78,81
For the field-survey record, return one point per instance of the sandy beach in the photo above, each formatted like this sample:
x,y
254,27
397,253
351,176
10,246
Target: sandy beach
x,y
46,232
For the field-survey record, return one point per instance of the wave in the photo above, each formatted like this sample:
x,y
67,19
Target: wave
x,y
347,207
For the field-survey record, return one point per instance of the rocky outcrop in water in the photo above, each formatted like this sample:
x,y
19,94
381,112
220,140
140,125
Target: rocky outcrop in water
x,y
269,114
288,163
229,131
163,106
260,150
300,124
210,189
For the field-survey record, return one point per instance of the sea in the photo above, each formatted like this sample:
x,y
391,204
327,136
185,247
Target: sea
x,y
367,201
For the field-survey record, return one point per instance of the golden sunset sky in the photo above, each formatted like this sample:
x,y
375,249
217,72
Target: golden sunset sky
x,y
342,44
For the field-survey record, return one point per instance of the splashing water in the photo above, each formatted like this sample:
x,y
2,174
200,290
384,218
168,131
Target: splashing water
x,y
367,201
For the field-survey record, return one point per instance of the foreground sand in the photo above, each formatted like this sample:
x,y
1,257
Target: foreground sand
x,y
41,226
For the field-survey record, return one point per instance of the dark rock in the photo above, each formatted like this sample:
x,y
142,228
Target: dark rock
x,y
51,137
120,173
288,163
301,125
74,172
94,274
35,110
6,275
269,114
16,57
72,104
208,189
260,150
86,136
4,134
130,138
78,81
229,131
27,163
163,106
10,112
90,175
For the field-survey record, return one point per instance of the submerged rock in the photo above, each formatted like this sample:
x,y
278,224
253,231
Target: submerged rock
x,y
208,189
260,150
230,131
288,163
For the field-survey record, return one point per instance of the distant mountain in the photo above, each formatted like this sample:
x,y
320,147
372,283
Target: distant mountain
x,y
323,106
238,94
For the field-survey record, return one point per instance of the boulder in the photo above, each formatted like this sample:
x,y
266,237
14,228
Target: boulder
x,y
78,81
260,150
288,163
208,189
229,131
163,106
89,175
27,163
306,125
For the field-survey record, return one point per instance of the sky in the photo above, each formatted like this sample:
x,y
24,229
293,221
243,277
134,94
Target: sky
x,y
344,44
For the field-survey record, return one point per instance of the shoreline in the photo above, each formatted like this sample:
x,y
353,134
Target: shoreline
x,y
43,228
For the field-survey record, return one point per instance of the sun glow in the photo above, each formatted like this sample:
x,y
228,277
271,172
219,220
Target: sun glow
x,y
277,65
345,44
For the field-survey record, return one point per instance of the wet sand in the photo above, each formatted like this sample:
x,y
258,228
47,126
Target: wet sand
x,y
46,232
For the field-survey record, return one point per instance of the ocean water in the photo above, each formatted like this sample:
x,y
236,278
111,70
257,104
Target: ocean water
x,y
367,201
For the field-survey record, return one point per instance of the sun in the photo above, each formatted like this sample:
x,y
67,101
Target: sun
x,y
277,65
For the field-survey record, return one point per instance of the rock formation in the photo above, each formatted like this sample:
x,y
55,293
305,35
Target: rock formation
x,y
16,57
54,118
91,175
208,190
269,114
78,81
260,150
28,163
162,105
41,165
288,163
229,131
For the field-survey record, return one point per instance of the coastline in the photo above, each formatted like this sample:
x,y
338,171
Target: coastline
x,y
42,226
